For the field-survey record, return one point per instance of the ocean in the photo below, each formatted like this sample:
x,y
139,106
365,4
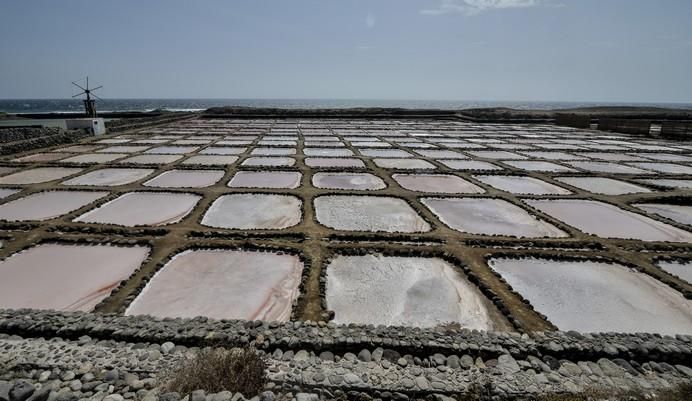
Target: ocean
x,y
14,106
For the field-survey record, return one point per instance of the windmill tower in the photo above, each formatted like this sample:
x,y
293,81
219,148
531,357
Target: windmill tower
x,y
89,103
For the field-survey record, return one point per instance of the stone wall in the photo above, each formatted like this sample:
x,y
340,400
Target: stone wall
x,y
126,124
22,139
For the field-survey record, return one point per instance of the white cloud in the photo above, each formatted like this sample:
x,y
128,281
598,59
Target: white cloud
x,y
475,7
370,21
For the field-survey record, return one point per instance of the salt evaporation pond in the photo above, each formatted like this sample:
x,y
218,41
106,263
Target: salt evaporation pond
x,y
530,165
357,181
684,184
223,284
186,179
172,150
254,211
368,213
605,186
151,159
490,217
143,208
273,151
269,161
437,183
90,158
66,277
469,165
404,291
333,162
5,192
47,205
666,168
406,164
327,152
678,268
590,296
110,177
605,220
222,150
605,167
266,179
38,175
210,160
43,157
522,185
385,153
678,213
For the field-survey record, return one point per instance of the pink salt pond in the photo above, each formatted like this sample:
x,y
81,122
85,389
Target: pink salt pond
x,y
186,179
223,284
605,220
66,277
110,177
143,208
254,211
490,217
437,183
266,179
38,175
90,158
357,181
210,160
47,205
368,213
333,162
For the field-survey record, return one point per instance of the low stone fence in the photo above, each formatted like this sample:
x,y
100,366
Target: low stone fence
x,y
337,339
625,126
573,120
22,139
127,124
676,130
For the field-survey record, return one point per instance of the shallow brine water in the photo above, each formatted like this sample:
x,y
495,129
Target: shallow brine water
x,y
172,150
437,183
186,179
223,284
151,159
266,179
593,296
605,186
269,161
522,185
210,160
490,217
110,177
47,205
469,165
678,268
678,213
529,165
368,213
38,175
404,291
43,157
357,181
605,167
90,158
143,208
254,211
406,164
333,162
66,277
609,221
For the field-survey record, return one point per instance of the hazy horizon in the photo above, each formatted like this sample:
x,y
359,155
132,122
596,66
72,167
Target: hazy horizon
x,y
592,51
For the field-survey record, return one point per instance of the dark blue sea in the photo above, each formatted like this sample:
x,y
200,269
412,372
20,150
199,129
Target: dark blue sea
x,y
74,105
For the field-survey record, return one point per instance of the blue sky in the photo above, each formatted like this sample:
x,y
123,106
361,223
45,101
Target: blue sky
x,y
552,50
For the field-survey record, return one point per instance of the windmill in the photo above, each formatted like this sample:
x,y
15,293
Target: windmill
x,y
89,103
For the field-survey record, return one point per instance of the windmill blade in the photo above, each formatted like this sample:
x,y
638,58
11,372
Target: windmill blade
x,y
79,94
96,97
79,86
98,87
